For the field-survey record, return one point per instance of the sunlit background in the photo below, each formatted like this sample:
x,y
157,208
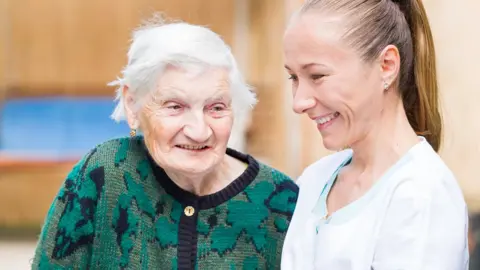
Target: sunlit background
x,y
56,57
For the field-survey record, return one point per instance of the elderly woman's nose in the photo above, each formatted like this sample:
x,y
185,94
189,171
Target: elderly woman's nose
x,y
198,130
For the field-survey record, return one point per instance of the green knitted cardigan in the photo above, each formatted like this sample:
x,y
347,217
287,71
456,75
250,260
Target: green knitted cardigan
x,y
118,210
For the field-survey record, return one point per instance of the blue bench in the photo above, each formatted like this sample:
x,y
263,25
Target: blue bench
x,y
56,127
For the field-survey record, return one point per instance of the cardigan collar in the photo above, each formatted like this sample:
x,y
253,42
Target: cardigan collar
x,y
217,198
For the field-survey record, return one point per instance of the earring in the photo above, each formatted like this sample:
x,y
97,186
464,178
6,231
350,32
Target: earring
x,y
133,132
385,85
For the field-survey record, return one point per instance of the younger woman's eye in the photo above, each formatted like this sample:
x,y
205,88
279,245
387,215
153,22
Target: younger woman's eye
x,y
293,77
316,77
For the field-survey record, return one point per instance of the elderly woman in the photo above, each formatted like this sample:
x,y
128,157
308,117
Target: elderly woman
x,y
176,197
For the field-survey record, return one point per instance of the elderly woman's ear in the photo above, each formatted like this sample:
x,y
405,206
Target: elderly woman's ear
x,y
130,112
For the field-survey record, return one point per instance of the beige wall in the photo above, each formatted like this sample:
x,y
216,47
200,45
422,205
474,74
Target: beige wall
x,y
27,190
75,47
457,39
268,133
3,46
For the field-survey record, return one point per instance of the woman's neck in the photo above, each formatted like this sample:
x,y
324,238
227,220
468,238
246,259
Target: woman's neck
x,y
385,144
210,182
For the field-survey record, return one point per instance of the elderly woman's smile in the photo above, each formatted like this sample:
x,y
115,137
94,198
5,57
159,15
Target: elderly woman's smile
x,y
193,148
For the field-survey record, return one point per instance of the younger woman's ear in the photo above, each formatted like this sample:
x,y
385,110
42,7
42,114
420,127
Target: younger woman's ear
x,y
129,104
390,64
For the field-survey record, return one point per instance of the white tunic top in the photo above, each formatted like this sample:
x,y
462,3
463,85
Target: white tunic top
x,y
413,218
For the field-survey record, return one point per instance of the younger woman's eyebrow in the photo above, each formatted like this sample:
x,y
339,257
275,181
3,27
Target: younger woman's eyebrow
x,y
305,66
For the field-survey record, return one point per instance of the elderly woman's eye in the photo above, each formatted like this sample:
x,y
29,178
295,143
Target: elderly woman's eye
x,y
217,107
174,107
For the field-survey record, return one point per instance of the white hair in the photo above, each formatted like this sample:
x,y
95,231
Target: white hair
x,y
157,45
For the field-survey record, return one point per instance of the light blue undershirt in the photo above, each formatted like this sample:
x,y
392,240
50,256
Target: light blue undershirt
x,y
349,211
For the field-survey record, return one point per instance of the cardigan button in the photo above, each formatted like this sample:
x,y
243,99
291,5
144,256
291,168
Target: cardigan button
x,y
189,211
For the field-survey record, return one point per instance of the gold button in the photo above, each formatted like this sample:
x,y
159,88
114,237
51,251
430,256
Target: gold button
x,y
189,211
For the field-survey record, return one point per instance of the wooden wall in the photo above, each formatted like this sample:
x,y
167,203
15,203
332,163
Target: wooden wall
x,y
27,190
75,47
268,128
456,42
3,47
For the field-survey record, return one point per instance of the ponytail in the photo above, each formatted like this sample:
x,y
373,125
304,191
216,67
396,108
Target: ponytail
x,y
421,97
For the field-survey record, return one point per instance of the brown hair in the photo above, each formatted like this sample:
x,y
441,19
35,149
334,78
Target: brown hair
x,y
371,25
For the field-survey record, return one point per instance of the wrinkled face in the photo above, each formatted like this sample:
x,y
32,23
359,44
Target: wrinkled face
x,y
339,91
188,120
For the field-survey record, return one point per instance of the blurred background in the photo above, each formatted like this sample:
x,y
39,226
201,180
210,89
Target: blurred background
x,y
57,56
